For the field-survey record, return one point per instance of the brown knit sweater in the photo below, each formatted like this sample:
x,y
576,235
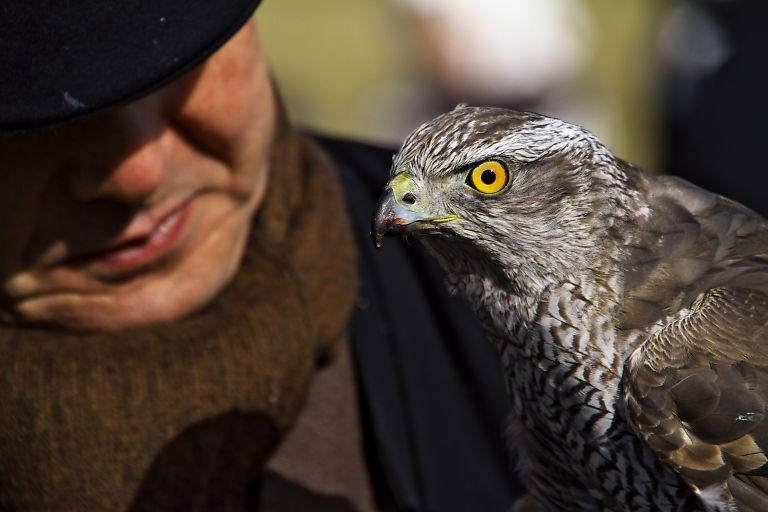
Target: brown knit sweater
x,y
183,416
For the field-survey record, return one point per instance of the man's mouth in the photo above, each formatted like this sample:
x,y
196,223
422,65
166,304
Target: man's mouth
x,y
138,249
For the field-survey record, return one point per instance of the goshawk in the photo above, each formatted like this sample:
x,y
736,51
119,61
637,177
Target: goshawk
x,y
630,311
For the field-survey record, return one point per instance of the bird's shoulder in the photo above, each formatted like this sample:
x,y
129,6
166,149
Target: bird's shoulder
x,y
682,241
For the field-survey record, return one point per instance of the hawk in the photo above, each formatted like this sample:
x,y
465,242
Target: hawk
x,y
629,311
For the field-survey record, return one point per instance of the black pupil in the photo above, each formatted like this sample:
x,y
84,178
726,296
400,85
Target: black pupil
x,y
488,176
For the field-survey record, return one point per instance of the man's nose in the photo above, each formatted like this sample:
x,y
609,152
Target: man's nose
x,y
121,155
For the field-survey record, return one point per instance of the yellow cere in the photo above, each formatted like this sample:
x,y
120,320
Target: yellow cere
x,y
400,184
488,177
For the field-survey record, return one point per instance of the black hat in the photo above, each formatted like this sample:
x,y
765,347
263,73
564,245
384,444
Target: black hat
x,y
64,59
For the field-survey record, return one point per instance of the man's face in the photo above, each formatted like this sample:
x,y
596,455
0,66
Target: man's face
x,y
138,215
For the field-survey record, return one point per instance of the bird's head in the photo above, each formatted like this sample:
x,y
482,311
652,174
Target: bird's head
x,y
497,191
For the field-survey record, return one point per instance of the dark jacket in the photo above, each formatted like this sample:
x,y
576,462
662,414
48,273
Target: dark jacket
x,y
432,389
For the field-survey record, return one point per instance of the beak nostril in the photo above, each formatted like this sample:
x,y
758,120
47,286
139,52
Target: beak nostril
x,y
409,198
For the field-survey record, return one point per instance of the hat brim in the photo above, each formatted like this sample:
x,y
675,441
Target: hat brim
x,y
60,61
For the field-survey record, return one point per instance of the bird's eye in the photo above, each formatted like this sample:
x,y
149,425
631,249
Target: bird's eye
x,y
488,177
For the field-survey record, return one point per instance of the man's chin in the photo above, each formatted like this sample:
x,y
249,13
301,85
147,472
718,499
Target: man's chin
x,y
116,309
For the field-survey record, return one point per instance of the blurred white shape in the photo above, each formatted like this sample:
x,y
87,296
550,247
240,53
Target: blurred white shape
x,y
506,48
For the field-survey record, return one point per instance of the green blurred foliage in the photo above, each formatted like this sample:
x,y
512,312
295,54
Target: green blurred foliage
x,y
625,74
332,59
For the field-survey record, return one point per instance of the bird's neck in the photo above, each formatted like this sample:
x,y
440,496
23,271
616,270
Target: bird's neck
x,y
571,319
503,302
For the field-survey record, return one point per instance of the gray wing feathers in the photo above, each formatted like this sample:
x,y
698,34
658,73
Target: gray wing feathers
x,y
693,241
697,390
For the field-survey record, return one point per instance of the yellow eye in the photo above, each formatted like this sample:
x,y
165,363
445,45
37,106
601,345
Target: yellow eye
x,y
488,177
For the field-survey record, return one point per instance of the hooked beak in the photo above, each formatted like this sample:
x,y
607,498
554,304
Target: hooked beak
x,y
395,217
392,218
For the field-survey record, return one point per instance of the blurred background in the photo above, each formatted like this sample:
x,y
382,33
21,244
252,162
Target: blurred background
x,y
676,86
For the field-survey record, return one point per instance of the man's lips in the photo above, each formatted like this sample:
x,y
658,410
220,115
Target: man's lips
x,y
138,247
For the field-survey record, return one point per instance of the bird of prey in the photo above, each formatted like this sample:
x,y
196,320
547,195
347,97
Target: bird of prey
x,y
629,310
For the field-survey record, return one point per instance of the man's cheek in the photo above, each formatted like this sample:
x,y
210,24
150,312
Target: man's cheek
x,y
14,236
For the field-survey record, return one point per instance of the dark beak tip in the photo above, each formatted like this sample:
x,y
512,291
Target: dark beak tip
x,y
377,238
382,221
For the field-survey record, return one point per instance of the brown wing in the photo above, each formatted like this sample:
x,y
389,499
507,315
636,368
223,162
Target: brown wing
x,y
697,393
694,240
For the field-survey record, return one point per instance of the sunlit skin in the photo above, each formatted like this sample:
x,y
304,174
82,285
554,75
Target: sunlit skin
x,y
138,215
